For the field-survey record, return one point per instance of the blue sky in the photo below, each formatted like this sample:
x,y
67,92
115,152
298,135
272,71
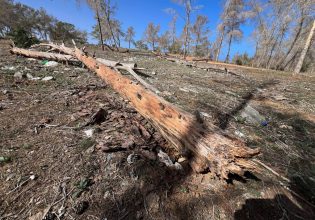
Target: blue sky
x,y
138,13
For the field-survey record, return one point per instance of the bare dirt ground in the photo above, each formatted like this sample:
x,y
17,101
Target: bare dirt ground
x,y
50,163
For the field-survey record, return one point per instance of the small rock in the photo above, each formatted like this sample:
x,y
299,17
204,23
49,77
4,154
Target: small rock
x,y
5,92
240,134
81,94
8,68
132,158
33,177
31,59
181,159
29,76
286,127
153,73
51,64
164,158
47,78
89,132
204,114
19,75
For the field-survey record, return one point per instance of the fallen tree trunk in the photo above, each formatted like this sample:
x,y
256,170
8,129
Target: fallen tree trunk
x,y
43,55
212,149
129,67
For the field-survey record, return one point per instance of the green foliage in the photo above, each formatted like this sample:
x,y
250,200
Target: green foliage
x,y
141,45
175,47
81,186
26,25
22,38
242,59
65,32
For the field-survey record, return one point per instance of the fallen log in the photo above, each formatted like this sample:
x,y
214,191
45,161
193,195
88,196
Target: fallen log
x,y
212,149
129,67
43,55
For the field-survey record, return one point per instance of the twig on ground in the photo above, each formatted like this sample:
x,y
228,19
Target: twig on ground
x,y
271,170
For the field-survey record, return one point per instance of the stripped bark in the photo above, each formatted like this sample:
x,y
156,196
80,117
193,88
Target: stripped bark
x,y
211,147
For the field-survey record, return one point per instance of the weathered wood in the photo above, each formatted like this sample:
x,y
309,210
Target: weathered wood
x,y
211,147
129,67
43,55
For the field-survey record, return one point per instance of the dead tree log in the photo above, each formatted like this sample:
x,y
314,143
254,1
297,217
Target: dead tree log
x,y
43,55
211,147
129,67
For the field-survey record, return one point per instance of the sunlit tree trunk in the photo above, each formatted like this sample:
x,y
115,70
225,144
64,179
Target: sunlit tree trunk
x,y
305,49
220,46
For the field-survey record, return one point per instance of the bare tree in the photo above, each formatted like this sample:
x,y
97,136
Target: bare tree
x,y
172,26
233,16
305,49
281,26
164,41
219,41
151,34
96,6
130,36
200,32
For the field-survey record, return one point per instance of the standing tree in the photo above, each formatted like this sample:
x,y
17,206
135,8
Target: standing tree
x,y
151,34
200,33
186,34
95,6
66,32
106,24
219,41
164,41
130,36
305,49
232,17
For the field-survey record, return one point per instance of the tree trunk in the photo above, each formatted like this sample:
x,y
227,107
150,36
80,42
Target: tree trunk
x,y
227,59
305,49
297,35
220,46
43,55
212,149
100,29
